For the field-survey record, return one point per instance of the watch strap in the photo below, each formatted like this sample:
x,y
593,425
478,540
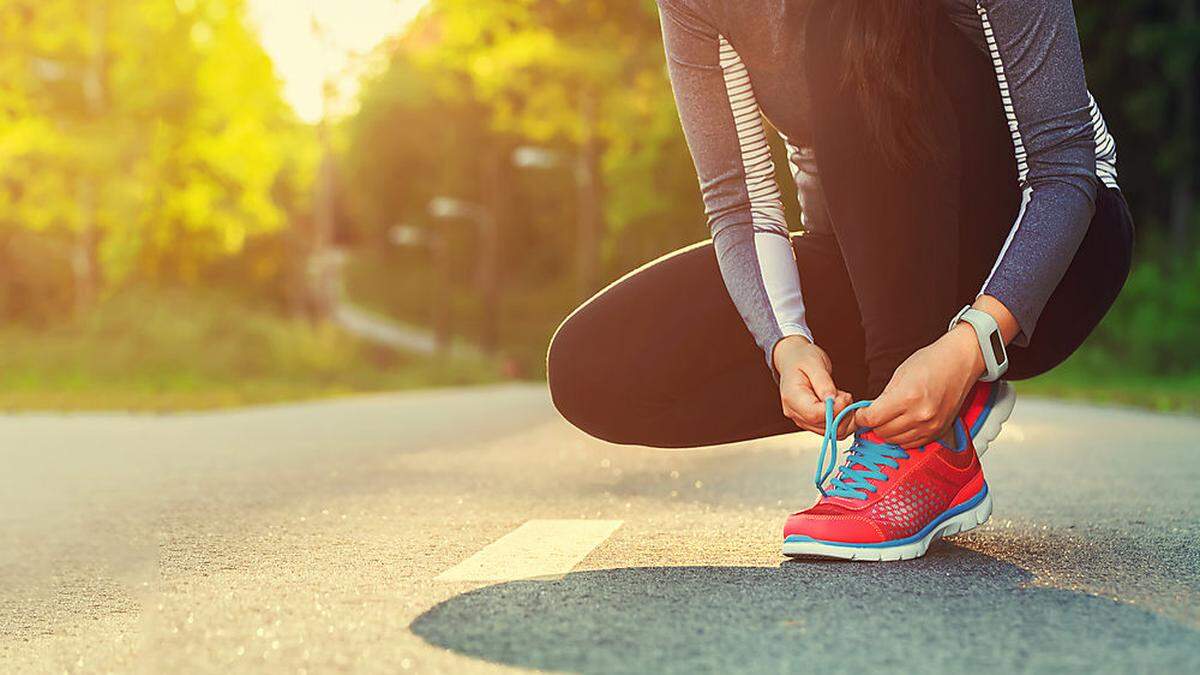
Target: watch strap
x,y
991,342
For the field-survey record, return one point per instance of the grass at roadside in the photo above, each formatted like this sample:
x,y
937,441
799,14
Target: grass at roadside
x,y
1164,395
1089,376
177,350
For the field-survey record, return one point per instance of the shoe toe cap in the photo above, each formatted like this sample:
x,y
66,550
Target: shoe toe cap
x,y
842,528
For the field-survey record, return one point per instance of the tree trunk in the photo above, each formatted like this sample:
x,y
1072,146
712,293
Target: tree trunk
x,y
590,207
488,272
83,248
84,267
439,243
1183,182
323,270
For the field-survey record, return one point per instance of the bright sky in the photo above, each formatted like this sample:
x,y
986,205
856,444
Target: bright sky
x,y
304,60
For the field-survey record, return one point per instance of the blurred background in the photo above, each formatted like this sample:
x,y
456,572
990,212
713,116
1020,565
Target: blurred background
x,y
218,202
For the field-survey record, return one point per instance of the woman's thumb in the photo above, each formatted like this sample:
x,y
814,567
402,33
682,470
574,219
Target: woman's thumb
x,y
822,384
881,410
866,417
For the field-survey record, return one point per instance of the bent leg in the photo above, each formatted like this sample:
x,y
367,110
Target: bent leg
x,y
1087,291
662,358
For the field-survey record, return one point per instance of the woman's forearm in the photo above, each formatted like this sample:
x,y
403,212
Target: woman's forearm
x,y
962,339
1009,327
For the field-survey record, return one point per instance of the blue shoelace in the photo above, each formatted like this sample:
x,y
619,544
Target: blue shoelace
x,y
869,456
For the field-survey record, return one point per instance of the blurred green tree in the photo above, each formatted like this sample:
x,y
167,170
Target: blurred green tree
x,y
587,76
149,136
1143,61
470,89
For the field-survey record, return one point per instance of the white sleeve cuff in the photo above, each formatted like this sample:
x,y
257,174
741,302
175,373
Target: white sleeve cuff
x,y
796,329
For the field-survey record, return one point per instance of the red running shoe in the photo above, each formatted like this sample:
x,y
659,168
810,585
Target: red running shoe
x,y
987,408
888,502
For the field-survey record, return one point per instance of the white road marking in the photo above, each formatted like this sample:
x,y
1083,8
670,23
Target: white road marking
x,y
538,549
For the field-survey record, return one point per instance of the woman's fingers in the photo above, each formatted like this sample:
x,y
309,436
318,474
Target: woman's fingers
x,y
804,400
882,411
799,402
848,425
895,419
908,431
805,385
906,439
822,389
807,410
822,384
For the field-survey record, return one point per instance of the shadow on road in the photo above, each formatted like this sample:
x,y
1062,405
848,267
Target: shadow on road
x,y
954,610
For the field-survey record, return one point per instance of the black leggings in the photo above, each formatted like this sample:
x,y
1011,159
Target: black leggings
x,y
662,358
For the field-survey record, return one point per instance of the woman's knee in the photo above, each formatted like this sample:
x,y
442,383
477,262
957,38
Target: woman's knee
x,y
1087,291
578,387
565,368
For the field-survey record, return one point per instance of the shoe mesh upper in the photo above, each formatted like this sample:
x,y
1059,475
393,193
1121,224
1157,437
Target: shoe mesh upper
x,y
908,507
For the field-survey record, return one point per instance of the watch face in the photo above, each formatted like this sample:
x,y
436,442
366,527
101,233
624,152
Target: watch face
x,y
998,348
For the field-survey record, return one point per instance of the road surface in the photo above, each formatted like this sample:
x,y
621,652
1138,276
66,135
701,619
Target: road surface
x,y
391,533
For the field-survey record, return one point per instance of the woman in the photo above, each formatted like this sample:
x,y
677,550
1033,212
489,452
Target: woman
x,y
946,154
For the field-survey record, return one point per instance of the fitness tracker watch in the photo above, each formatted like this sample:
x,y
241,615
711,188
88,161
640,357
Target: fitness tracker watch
x,y
991,343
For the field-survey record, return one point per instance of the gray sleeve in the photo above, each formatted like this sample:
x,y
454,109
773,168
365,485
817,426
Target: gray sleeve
x,y
1034,45
725,133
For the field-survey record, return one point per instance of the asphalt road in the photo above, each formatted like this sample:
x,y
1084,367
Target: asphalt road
x,y
309,538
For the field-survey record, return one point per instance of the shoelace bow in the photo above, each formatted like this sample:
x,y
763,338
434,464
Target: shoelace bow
x,y
867,455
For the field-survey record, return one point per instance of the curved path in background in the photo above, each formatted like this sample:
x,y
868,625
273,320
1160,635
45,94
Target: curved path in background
x,y
395,532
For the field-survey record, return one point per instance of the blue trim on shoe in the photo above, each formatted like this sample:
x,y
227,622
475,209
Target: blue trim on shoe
x,y
961,438
987,410
965,506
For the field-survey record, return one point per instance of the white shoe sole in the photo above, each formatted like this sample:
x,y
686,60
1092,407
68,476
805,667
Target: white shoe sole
x,y
1002,408
960,522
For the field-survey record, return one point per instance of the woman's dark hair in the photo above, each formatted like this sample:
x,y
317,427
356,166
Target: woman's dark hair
x,y
889,53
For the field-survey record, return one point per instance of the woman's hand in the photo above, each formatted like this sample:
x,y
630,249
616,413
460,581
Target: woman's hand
x,y
805,381
926,391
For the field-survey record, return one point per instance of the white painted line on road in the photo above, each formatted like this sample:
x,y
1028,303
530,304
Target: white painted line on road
x,y
538,549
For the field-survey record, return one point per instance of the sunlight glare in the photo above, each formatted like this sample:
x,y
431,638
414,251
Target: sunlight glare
x,y
305,60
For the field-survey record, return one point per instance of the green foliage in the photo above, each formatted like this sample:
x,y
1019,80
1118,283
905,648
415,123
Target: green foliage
x,y
147,137
1142,58
1080,379
1154,328
468,84
145,349
553,71
471,76
1146,352
408,143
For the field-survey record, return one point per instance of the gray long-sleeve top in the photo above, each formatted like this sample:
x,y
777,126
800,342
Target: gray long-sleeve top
x,y
734,63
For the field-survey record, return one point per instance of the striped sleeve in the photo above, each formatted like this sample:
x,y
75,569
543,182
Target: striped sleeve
x,y
1063,149
727,137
